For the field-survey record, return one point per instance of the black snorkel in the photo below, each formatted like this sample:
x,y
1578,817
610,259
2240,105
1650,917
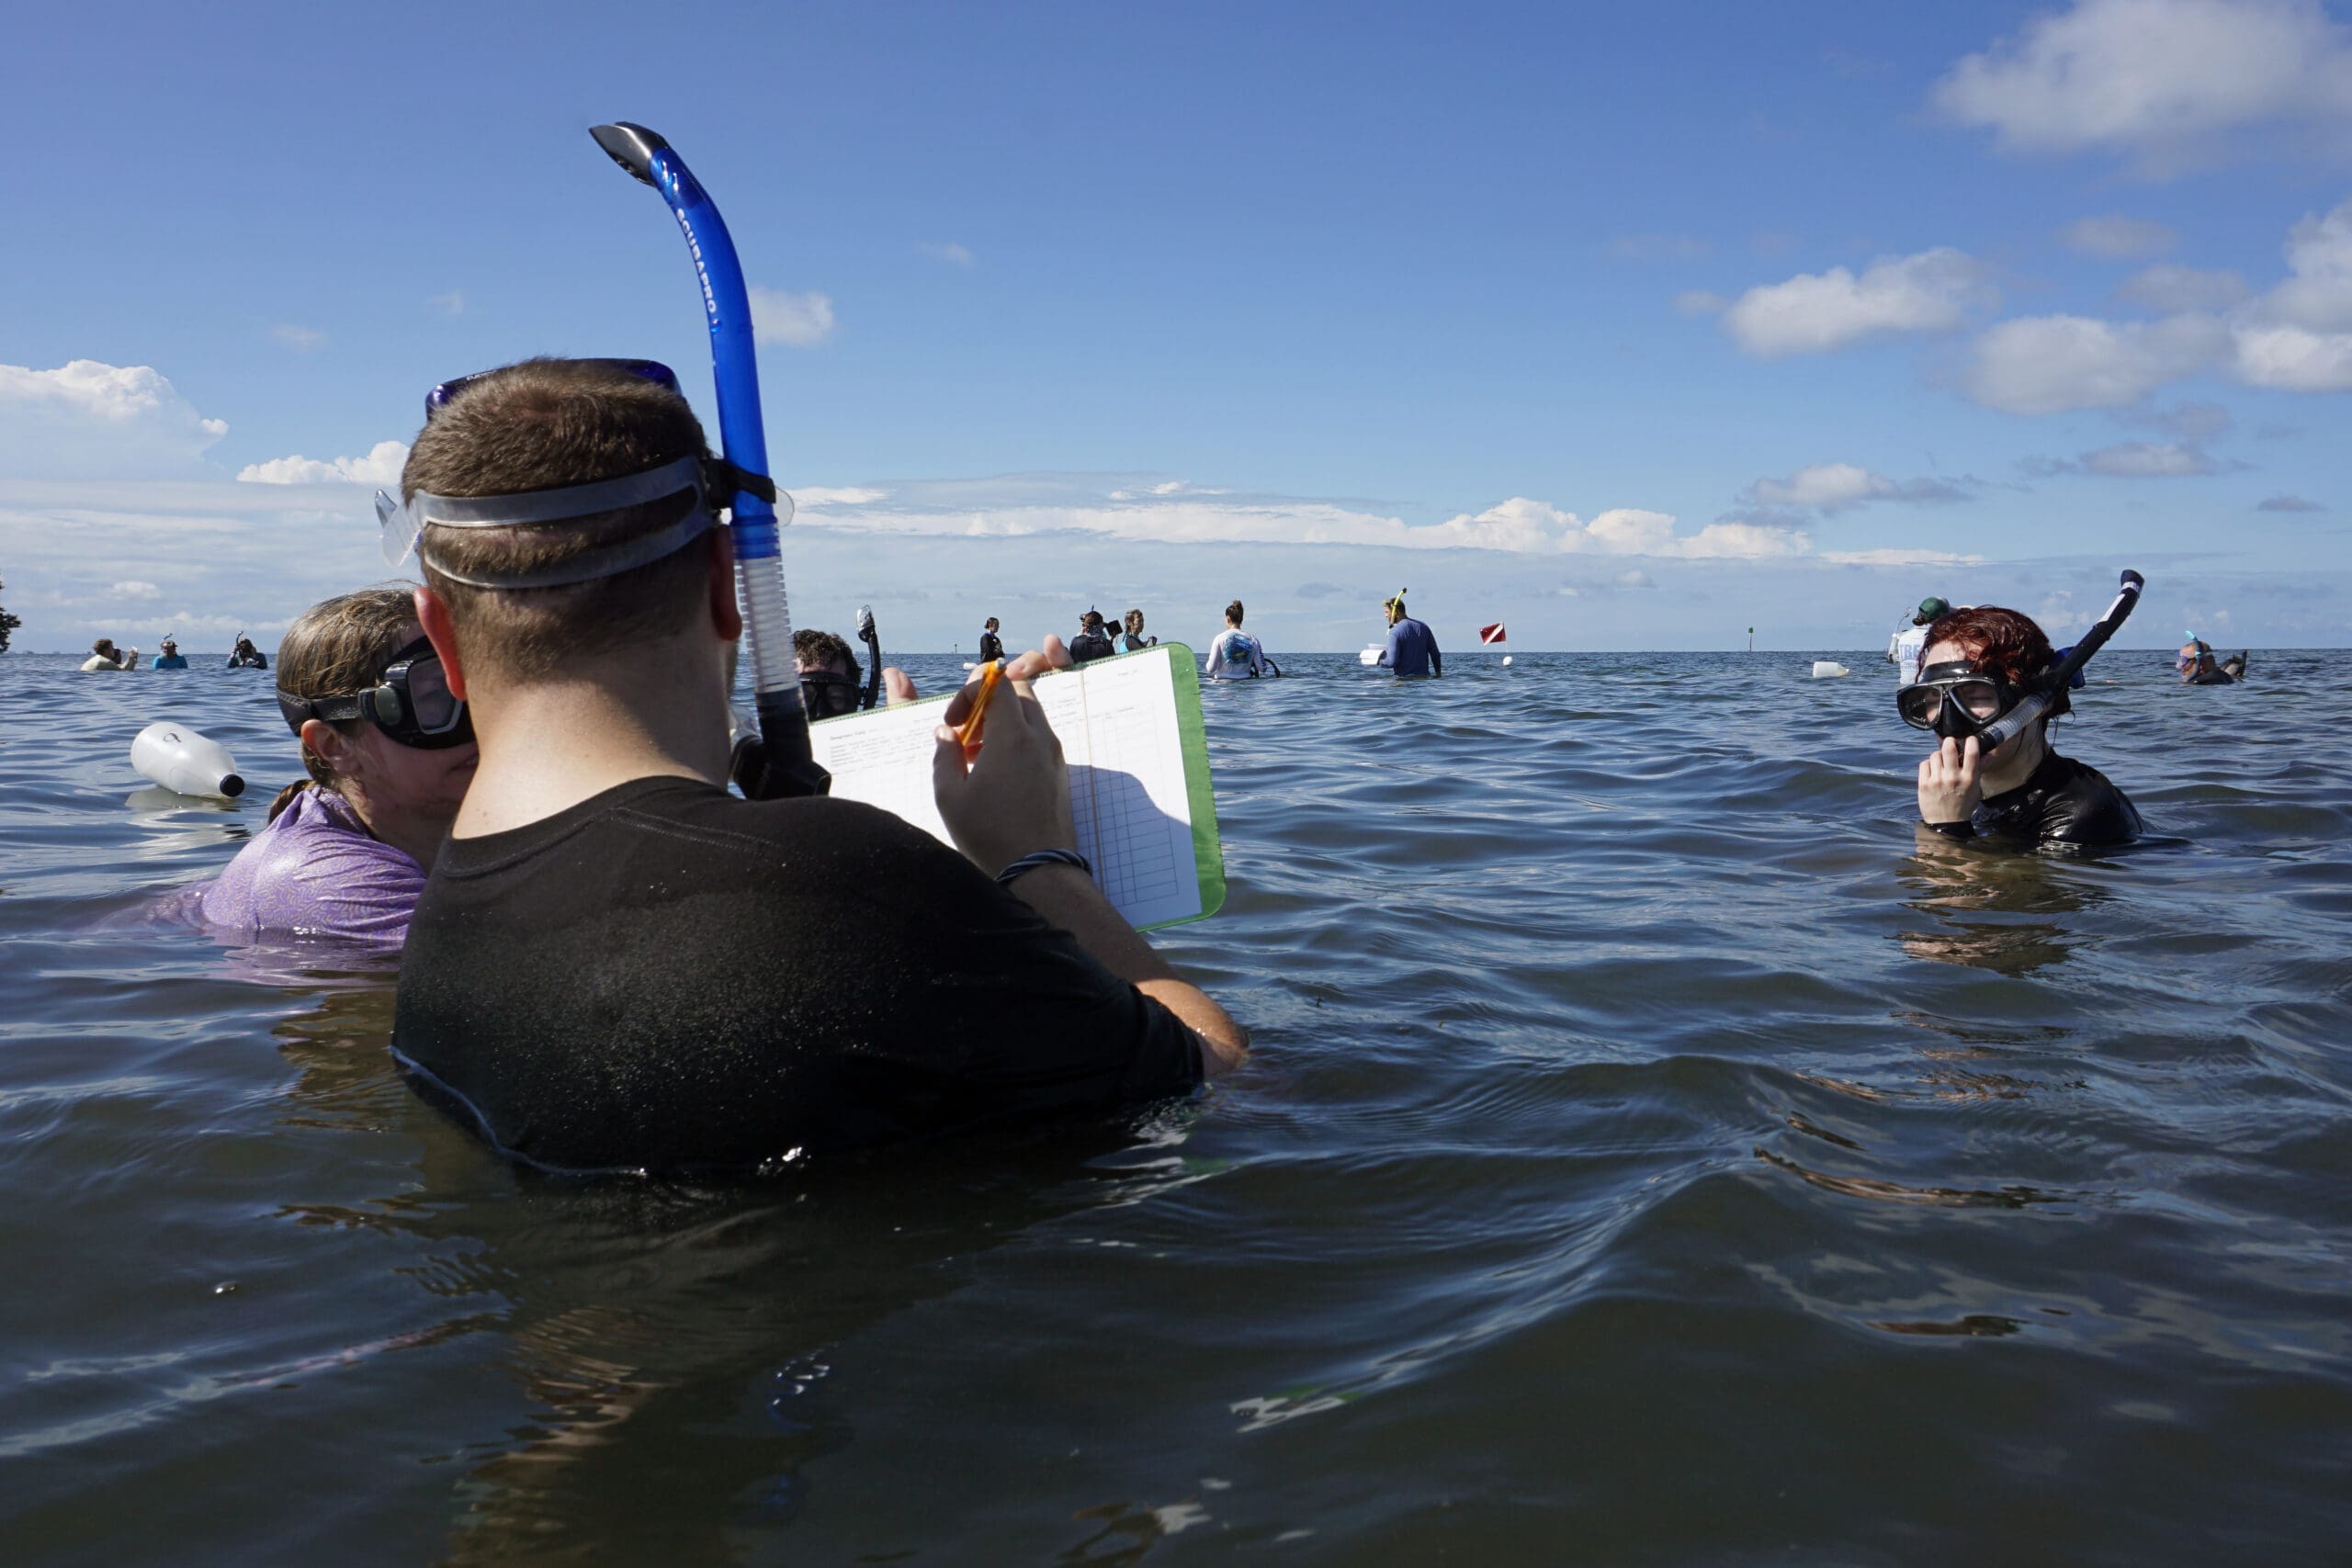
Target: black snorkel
x,y
784,765
2056,678
873,641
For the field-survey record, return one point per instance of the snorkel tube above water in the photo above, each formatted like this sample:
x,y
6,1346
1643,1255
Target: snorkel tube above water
x,y
2056,678
759,511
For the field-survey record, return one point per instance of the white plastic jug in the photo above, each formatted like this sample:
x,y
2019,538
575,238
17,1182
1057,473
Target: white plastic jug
x,y
181,761
1828,670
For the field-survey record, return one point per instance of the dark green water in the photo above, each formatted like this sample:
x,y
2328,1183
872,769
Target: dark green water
x,y
1649,1156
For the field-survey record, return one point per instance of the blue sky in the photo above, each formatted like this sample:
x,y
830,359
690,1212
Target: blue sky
x,y
1631,326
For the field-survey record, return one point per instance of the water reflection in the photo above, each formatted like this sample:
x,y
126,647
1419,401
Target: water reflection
x,y
1956,885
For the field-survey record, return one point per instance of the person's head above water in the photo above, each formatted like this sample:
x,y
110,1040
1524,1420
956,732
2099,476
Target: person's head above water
x,y
1134,622
990,623
1394,607
1091,621
1233,614
397,750
102,648
170,645
1980,662
829,672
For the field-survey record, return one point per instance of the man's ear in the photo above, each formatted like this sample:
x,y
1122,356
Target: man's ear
x,y
442,632
726,616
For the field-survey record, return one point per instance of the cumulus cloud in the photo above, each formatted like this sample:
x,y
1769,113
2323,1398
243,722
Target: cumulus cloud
x,y
1933,291
2297,337
382,466
2050,364
2162,82
2288,503
134,588
2133,460
947,251
87,416
2173,288
1834,487
802,321
302,340
1899,556
2116,237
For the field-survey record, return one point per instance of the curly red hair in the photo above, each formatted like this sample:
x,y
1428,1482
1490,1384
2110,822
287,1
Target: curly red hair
x,y
2004,641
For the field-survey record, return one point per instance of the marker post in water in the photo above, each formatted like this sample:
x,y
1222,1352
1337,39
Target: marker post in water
x,y
758,510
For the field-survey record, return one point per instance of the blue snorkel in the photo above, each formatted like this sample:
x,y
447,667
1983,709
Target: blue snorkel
x,y
788,767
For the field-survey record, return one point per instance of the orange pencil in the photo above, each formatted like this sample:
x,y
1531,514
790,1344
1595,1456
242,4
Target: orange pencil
x,y
969,736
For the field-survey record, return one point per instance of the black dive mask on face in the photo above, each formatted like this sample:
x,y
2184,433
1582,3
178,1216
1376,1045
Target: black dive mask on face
x,y
1955,699
829,694
410,703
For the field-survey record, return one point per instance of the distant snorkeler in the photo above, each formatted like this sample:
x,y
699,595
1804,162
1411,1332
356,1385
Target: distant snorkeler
x,y
1979,664
2199,668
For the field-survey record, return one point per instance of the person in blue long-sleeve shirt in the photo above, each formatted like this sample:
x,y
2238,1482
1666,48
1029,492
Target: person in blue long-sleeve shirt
x,y
1412,650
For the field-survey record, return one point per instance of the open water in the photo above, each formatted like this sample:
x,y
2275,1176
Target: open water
x,y
1650,1155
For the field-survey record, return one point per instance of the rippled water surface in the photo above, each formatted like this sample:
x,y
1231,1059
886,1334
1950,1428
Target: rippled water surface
x,y
1651,1155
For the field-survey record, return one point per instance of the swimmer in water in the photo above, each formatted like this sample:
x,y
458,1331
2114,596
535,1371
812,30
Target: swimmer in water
x,y
1092,641
2199,668
1979,662
1904,648
103,656
618,964
1131,638
171,658
390,753
991,645
245,656
1234,654
1412,647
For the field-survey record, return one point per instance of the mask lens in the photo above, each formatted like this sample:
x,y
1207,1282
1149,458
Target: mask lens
x,y
1981,698
1917,705
431,706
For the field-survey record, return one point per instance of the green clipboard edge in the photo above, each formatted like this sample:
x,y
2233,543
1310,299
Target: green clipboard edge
x,y
1200,795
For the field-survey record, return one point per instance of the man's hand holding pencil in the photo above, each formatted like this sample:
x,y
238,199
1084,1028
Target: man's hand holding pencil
x,y
997,772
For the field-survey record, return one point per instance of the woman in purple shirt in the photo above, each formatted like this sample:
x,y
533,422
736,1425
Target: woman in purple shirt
x,y
389,751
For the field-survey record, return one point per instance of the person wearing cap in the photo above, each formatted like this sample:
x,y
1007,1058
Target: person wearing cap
x,y
105,656
617,964
1904,649
170,658
1412,648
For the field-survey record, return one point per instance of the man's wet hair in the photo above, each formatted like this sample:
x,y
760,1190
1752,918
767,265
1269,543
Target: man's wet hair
x,y
545,424
825,650
2006,642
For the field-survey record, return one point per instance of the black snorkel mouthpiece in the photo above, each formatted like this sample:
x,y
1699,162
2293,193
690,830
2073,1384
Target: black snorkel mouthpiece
x,y
2060,674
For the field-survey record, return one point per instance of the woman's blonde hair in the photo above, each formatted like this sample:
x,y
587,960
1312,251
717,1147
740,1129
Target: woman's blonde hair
x,y
335,649
1135,623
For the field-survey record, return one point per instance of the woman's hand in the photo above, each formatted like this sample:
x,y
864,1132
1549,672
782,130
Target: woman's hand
x,y
1951,782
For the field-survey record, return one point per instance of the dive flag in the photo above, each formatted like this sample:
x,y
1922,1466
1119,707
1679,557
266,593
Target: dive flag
x,y
1491,634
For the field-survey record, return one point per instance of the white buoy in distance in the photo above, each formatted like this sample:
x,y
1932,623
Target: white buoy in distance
x,y
1506,660
185,762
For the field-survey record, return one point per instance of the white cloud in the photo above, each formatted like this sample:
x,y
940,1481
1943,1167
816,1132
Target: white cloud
x,y
302,340
2297,337
1899,556
382,466
802,321
450,304
2149,460
2168,288
2050,364
134,590
948,252
1932,291
90,417
2116,237
1833,486
2162,81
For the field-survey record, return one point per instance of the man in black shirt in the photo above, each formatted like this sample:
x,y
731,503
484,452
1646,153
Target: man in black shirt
x,y
991,645
619,966
1977,663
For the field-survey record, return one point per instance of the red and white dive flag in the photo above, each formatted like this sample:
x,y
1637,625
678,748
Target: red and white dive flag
x,y
1491,634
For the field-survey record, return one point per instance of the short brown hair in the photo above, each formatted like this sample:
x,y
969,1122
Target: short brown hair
x,y
2006,642
819,651
544,425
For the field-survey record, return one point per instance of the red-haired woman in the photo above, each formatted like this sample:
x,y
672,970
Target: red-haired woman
x,y
1979,662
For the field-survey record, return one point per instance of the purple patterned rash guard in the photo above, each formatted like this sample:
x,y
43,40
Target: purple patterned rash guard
x,y
316,871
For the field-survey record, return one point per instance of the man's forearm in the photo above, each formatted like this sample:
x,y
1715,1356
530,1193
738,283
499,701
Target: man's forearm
x,y
1068,897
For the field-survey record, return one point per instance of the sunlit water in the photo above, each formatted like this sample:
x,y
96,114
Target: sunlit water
x,y
1649,1155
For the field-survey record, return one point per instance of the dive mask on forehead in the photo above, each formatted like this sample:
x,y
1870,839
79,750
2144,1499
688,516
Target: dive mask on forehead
x,y
1956,699
410,702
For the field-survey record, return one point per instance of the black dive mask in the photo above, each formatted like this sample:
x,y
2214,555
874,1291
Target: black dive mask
x,y
410,702
829,694
1955,699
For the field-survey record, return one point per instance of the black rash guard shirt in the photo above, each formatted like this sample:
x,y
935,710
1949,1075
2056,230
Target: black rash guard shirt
x,y
668,977
2063,803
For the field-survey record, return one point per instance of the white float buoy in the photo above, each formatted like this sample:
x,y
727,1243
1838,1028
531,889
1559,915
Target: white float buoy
x,y
1506,660
1828,670
185,762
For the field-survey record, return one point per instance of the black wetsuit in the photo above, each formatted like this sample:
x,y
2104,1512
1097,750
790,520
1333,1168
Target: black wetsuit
x,y
667,977
1087,645
992,647
2063,803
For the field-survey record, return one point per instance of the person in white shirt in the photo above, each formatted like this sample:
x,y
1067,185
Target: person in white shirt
x,y
1904,649
1234,654
104,656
